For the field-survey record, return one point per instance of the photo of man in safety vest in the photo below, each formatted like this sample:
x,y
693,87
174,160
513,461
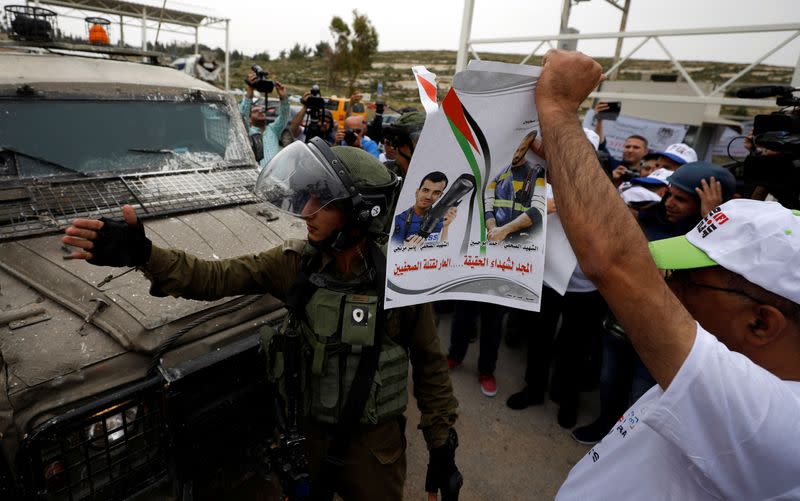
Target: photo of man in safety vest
x,y
409,224
508,197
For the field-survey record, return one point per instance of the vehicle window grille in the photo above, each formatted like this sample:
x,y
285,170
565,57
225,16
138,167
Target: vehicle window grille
x,y
47,207
112,454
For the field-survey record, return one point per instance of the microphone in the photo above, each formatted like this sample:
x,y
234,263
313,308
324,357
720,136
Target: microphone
x,y
764,91
460,187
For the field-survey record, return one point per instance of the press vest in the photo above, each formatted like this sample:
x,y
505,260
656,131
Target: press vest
x,y
513,197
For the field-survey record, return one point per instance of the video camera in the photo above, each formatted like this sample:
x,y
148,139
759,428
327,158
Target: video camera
x,y
774,161
261,84
315,108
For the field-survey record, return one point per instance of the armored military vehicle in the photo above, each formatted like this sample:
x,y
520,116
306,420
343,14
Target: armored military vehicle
x,y
107,392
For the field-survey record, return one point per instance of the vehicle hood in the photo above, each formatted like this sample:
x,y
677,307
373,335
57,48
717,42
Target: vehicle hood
x,y
53,354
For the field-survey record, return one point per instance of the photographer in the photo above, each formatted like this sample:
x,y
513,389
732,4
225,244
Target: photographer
x,y
308,113
267,135
353,135
633,151
402,136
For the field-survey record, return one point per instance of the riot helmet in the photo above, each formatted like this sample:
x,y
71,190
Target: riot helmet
x,y
352,179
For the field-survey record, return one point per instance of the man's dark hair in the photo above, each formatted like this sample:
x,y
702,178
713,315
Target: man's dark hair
x,y
434,177
640,138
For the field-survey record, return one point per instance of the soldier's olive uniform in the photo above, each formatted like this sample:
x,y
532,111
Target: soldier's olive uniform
x,y
375,461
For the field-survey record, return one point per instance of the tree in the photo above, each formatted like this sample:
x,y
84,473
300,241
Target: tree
x,y
353,47
282,54
298,52
322,49
263,56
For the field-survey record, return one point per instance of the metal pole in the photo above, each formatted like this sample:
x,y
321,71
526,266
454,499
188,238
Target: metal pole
x,y
121,31
197,40
680,68
227,55
565,8
756,63
144,29
622,24
796,75
619,63
466,29
532,53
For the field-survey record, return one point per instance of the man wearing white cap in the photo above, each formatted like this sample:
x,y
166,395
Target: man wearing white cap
x,y
722,339
648,189
675,155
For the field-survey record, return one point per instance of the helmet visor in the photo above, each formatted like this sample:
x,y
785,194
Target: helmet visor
x,y
299,182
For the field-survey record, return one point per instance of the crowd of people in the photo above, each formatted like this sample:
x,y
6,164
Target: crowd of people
x,y
698,365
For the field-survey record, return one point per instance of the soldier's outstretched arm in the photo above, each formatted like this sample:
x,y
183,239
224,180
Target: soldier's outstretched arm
x,y
112,242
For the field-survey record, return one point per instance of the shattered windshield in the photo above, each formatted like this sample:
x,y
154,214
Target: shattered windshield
x,y
52,137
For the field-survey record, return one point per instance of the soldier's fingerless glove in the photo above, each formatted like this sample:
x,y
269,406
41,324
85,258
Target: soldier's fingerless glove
x,y
120,244
442,470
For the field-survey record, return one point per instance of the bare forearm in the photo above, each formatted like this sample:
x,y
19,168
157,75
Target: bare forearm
x,y
599,129
612,249
294,126
519,223
590,207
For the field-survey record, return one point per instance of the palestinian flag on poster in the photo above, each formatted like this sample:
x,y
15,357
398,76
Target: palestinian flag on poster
x,y
456,231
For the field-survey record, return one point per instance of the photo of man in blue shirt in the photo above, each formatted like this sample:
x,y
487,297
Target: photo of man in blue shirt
x,y
407,224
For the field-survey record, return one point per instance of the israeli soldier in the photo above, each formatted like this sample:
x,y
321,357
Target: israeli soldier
x,y
353,359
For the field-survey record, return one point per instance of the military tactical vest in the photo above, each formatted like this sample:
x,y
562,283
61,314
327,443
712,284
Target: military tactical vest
x,y
338,325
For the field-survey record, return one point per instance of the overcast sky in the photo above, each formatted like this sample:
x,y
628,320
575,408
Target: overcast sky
x,y
435,24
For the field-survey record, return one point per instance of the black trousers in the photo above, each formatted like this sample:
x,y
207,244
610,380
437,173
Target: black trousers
x,y
575,346
466,315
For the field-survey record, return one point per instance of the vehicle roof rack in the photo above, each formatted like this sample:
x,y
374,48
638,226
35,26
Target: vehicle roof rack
x,y
149,55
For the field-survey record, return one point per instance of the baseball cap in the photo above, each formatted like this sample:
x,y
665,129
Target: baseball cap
x,y
690,176
757,240
639,194
656,178
680,153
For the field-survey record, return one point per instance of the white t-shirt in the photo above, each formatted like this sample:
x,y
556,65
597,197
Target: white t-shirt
x,y
724,429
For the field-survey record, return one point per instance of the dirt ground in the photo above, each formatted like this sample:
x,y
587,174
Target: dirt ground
x,y
503,454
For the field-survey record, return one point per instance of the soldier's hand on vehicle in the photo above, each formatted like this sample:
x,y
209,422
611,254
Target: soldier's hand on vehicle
x,y
710,195
450,215
414,241
109,242
281,90
566,80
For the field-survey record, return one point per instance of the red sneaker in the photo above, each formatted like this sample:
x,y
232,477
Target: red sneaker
x,y
452,364
488,384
